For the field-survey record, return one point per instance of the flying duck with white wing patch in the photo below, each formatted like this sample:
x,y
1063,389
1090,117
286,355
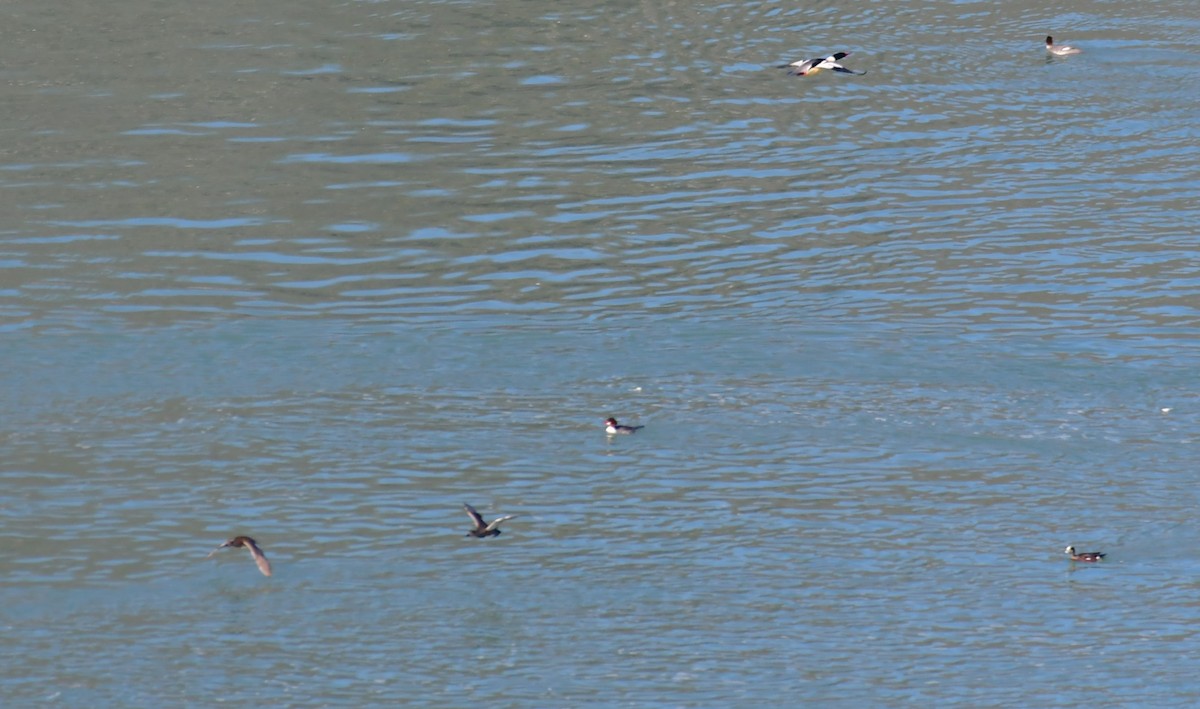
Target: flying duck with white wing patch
x,y
804,67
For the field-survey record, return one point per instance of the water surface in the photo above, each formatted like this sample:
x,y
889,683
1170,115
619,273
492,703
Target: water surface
x,y
320,274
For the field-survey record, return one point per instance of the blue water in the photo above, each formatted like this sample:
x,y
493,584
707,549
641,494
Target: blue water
x,y
320,275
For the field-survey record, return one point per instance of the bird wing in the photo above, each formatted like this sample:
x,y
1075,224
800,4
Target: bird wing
x,y
800,65
223,545
259,559
475,516
496,522
844,70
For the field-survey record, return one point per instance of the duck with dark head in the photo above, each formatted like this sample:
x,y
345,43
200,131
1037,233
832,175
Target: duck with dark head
x,y
1083,555
612,428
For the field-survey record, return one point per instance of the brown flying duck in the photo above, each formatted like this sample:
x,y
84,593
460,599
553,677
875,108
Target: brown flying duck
x,y
246,542
481,529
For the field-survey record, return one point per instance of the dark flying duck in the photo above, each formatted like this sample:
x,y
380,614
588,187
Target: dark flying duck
x,y
483,530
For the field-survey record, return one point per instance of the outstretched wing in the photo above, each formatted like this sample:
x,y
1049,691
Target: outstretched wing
x,y
496,522
224,545
475,516
800,65
844,70
259,558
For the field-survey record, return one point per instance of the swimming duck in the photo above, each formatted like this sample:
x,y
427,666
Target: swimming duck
x,y
1061,50
804,67
246,542
483,530
1083,556
611,427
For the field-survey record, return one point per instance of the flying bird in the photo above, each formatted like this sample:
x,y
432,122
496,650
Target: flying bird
x,y
483,530
804,67
247,543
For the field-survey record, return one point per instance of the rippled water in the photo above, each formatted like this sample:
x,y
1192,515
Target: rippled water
x,y
319,274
